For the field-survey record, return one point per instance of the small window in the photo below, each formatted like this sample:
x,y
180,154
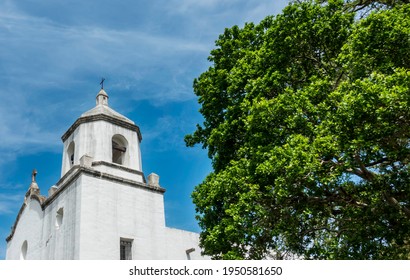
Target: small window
x,y
59,218
119,149
70,153
23,253
125,249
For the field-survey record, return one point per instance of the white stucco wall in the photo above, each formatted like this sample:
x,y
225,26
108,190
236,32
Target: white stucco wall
x,y
179,241
97,213
95,139
61,242
29,228
113,210
38,227
120,173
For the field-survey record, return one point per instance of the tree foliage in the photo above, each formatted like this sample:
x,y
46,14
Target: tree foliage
x,y
306,120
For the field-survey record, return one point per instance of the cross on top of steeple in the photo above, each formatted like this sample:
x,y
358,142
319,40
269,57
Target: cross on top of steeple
x,y
102,83
102,96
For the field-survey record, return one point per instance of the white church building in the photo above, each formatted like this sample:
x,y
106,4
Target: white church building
x,y
102,207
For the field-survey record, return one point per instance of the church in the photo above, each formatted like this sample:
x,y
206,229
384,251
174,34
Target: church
x,y
102,207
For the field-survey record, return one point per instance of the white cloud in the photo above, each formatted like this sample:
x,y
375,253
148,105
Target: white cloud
x,y
40,55
10,203
44,59
22,125
51,55
166,134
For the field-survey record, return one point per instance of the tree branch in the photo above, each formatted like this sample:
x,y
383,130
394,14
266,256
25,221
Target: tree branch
x,y
366,174
393,202
357,172
377,162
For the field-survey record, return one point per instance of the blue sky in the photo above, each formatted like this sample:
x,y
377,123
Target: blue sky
x,y
53,54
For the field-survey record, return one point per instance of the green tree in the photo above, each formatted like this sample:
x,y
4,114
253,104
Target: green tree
x,y
306,120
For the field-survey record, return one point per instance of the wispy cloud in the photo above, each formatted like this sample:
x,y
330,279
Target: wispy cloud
x,y
9,203
42,59
167,133
47,57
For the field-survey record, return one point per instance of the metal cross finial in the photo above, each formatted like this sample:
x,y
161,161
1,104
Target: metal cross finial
x,y
33,175
102,83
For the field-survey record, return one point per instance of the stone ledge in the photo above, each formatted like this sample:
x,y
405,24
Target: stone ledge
x,y
77,170
121,167
102,117
72,175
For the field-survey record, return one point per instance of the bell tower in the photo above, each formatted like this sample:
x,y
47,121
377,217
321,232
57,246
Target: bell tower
x,y
110,139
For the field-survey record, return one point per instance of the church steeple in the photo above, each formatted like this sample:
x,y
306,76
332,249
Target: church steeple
x,y
106,136
102,98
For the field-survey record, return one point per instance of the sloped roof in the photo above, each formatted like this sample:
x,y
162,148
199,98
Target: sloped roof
x,y
103,112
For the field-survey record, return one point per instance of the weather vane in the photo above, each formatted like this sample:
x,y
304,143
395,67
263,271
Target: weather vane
x,y
102,83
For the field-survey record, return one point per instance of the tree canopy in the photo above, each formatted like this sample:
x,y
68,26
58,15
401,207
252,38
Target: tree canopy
x,y
306,120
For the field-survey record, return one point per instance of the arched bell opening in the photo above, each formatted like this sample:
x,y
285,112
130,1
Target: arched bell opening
x,y
119,149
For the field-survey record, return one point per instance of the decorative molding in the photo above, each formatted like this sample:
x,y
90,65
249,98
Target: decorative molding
x,y
120,167
77,170
102,117
73,174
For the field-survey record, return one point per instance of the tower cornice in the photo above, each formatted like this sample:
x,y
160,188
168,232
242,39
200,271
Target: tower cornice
x,y
102,117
